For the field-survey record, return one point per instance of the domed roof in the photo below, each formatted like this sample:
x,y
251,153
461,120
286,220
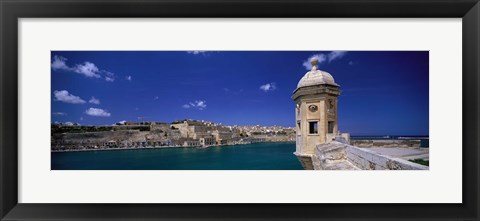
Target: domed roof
x,y
316,77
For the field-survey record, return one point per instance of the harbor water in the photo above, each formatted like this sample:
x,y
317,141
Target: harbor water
x,y
258,156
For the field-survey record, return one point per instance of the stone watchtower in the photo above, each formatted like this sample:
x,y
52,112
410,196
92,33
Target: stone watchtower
x,y
315,113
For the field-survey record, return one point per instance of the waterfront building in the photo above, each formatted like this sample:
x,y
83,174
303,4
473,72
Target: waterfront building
x,y
222,135
207,141
189,142
182,128
192,129
174,134
316,100
110,143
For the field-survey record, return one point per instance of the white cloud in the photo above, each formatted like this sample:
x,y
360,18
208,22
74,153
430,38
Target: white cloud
x,y
59,113
268,87
87,69
97,112
94,100
60,63
200,105
129,78
122,122
108,73
196,52
334,55
66,97
109,76
68,123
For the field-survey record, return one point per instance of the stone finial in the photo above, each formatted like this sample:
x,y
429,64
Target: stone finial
x,y
314,62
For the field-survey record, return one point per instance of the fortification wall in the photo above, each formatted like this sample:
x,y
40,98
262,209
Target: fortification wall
x,y
103,136
81,140
369,160
339,156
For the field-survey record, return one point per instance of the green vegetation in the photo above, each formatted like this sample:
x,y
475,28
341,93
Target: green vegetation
x,y
420,161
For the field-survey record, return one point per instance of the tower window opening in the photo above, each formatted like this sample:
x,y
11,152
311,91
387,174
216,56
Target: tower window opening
x,y
313,127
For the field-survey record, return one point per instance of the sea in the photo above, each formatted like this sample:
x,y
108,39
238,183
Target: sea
x,y
257,156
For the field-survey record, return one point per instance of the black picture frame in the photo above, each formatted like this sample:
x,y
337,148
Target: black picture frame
x,y
12,10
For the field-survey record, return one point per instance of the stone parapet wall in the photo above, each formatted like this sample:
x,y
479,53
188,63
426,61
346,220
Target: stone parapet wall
x,y
332,156
340,156
369,160
306,160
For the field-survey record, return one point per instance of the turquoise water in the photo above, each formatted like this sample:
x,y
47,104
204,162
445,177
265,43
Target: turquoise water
x,y
259,156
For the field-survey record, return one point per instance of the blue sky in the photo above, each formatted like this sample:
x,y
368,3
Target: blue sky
x,y
384,93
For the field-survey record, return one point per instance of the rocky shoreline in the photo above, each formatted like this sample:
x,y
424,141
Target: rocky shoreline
x,y
157,147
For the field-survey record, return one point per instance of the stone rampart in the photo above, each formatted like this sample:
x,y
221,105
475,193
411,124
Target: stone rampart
x,y
339,156
369,160
332,156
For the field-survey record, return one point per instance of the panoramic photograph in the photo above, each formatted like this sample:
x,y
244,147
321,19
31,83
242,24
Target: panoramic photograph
x,y
239,110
